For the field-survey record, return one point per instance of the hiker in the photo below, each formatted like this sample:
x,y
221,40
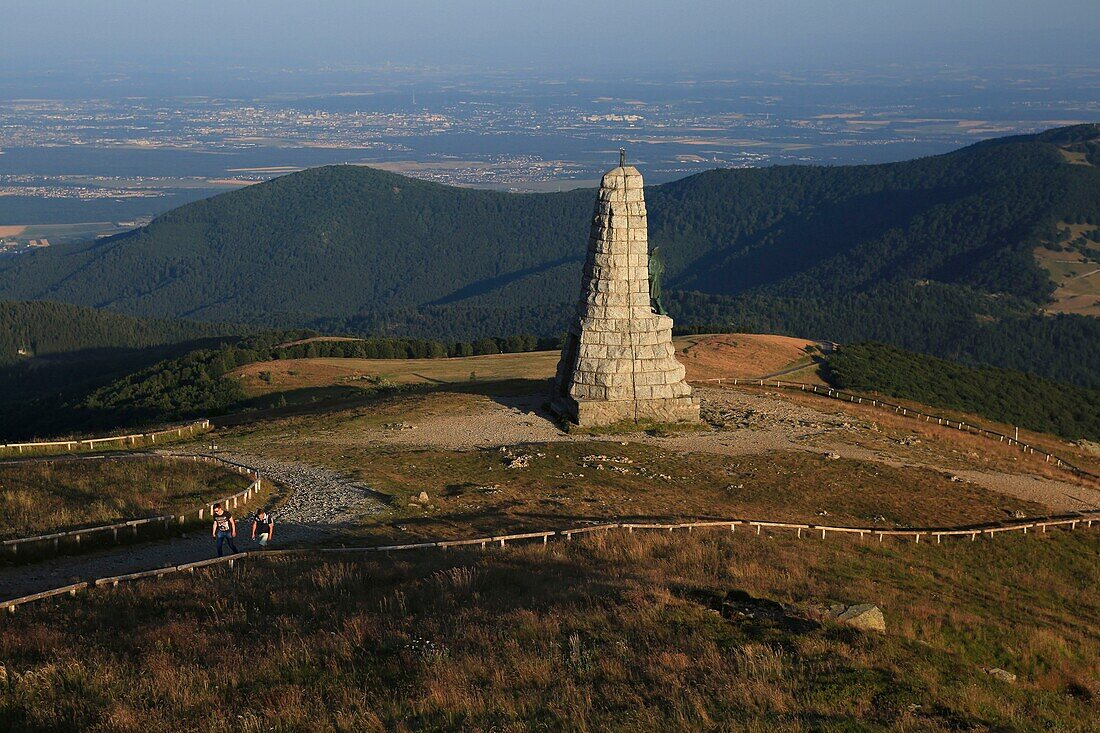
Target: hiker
x,y
264,526
224,529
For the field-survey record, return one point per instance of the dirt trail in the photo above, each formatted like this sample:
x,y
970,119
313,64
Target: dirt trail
x,y
321,501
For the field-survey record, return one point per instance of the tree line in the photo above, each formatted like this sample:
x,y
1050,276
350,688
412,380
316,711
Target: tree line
x,y
1004,395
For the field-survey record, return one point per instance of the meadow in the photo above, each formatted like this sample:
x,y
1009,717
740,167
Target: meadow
x,y
710,631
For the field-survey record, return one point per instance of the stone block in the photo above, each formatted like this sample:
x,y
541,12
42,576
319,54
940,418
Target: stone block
x,y
611,379
620,392
593,351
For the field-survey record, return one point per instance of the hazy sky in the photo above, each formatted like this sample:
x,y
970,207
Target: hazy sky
x,y
585,36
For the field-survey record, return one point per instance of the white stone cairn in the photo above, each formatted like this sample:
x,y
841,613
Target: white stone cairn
x,y
618,362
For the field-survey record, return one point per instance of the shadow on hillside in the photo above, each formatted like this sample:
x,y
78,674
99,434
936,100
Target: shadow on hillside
x,y
38,395
488,285
812,239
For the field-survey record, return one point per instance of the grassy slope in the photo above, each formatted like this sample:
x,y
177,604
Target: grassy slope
x,y
42,497
612,633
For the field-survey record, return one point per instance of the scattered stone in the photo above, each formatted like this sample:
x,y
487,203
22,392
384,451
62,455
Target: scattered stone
x,y
520,462
1000,674
830,456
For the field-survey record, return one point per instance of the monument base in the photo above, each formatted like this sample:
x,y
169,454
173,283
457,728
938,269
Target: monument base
x,y
592,413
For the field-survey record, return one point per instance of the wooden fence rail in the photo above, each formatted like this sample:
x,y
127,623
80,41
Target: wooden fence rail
x,y
10,548
1085,519
91,443
907,412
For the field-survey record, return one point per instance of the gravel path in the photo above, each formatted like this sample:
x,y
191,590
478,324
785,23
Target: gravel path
x,y
321,502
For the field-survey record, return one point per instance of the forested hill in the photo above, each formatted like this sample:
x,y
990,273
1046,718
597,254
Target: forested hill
x,y
30,330
841,248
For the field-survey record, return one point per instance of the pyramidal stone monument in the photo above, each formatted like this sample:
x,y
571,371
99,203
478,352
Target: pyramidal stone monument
x,y
618,362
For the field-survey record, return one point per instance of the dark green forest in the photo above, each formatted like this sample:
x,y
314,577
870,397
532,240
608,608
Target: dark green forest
x,y
1004,395
40,328
931,254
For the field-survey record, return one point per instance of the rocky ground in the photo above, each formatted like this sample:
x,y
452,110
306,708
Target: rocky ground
x,y
741,423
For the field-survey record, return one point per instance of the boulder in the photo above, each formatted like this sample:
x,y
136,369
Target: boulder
x,y
863,616
1001,674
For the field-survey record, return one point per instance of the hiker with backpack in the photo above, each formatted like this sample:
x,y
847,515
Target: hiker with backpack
x,y
263,526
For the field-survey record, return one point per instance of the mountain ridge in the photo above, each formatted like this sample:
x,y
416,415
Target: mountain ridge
x,y
346,248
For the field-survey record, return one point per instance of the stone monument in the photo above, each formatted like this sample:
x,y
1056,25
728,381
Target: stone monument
x,y
618,362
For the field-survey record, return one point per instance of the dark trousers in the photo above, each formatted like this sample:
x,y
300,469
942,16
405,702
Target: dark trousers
x,y
223,537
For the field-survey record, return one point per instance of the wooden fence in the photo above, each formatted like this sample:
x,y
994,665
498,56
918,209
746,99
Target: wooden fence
x,y
908,412
1085,519
123,441
10,548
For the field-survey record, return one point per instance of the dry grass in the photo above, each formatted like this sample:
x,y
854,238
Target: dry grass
x,y
475,492
739,355
287,375
704,357
50,496
604,634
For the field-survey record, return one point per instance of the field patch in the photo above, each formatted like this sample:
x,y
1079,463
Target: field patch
x,y
740,355
704,357
283,375
1074,267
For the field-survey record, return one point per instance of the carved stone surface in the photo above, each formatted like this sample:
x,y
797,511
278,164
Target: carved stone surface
x,y
618,362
